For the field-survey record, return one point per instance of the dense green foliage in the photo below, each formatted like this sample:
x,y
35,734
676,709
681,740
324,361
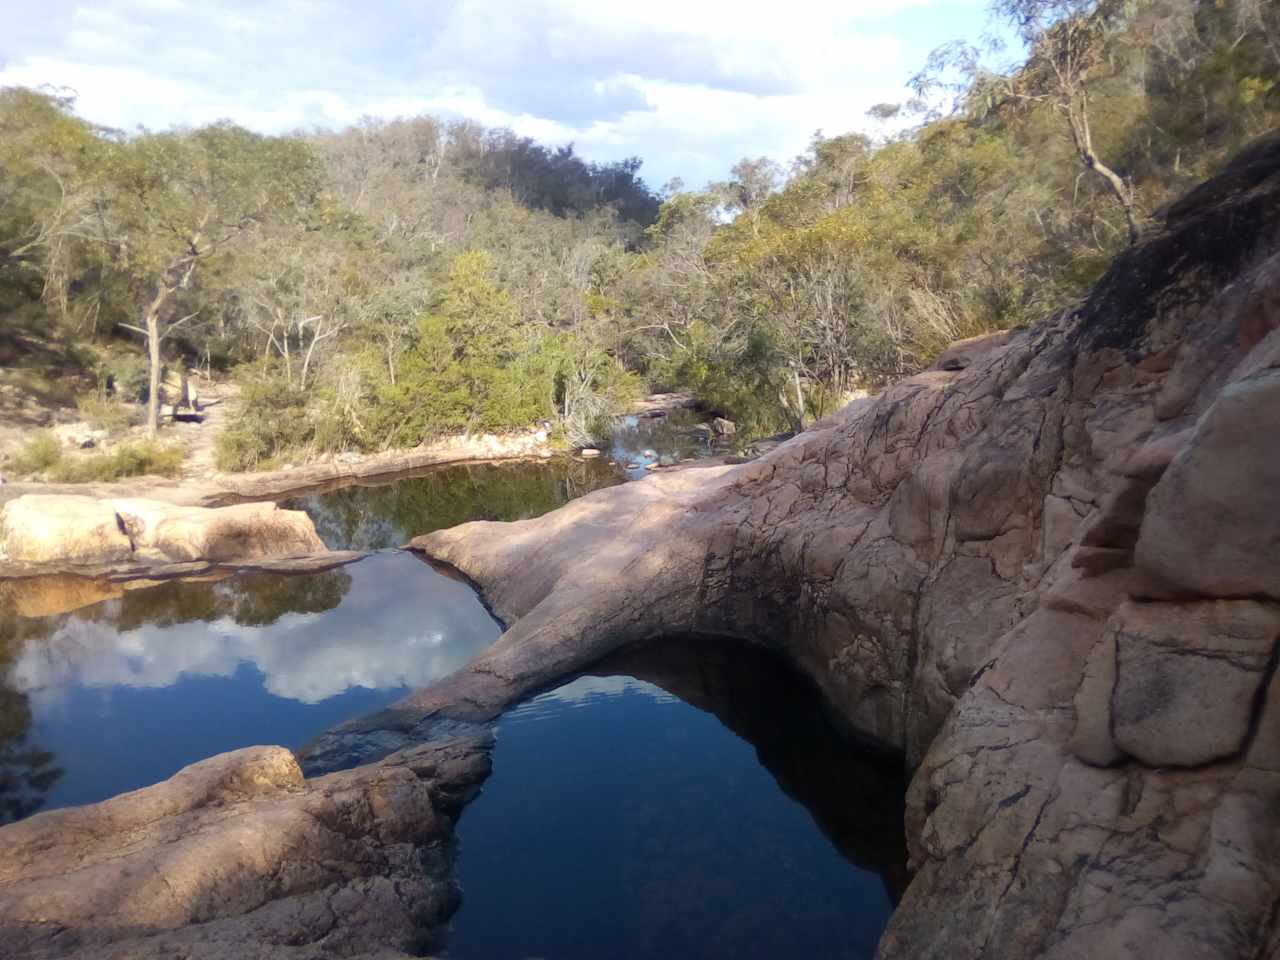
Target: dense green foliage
x,y
990,214
397,280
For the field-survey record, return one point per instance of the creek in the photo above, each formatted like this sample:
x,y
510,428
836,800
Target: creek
x,y
688,799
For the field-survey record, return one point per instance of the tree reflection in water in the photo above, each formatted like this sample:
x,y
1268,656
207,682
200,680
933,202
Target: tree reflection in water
x,y
26,771
390,513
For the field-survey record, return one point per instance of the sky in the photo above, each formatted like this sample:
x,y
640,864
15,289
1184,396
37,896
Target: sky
x,y
691,86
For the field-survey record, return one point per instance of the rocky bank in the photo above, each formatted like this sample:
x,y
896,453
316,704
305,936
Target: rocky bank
x,y
239,856
222,488
84,530
1046,572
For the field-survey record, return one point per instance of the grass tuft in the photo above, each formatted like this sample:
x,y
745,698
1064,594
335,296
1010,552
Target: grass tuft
x,y
43,455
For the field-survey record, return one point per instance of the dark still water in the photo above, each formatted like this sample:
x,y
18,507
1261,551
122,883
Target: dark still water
x,y
694,803
390,513
125,691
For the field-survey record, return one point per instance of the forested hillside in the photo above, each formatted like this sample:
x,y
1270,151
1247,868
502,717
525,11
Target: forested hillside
x,y
382,284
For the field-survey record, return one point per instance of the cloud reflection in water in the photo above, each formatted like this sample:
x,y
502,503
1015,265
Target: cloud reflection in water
x,y
125,692
390,629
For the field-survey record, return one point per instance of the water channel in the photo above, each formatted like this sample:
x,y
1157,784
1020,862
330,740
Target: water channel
x,y
690,799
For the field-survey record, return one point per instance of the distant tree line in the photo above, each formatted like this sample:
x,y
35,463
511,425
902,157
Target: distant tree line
x,y
395,280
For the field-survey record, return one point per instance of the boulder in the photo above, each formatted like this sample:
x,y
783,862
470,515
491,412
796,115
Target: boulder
x,y
240,856
243,531
723,427
46,529
37,528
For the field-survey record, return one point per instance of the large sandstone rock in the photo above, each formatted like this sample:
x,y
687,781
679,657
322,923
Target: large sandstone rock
x,y
49,529
244,531
239,856
1044,571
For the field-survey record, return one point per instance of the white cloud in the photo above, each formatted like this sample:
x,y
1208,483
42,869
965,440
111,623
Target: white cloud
x,y
690,86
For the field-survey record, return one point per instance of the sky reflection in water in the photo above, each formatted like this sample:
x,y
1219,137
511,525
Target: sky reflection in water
x,y
126,692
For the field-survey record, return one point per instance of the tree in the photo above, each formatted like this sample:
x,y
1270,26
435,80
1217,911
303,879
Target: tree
x,y
751,183
1066,40
182,199
49,190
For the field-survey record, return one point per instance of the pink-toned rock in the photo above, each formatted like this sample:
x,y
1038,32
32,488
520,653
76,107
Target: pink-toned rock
x,y
1083,728
239,856
244,531
1187,676
1212,526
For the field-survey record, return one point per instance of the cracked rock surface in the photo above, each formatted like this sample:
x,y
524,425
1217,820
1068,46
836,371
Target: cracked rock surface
x,y
1045,571
239,856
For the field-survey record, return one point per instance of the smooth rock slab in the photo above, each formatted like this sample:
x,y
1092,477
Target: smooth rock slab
x,y
240,856
60,529
38,528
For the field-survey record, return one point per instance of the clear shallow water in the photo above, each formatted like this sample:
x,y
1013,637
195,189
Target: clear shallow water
x,y
639,442
126,691
621,821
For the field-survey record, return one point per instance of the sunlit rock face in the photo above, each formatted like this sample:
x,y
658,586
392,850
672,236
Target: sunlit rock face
x,y
238,856
1043,571
70,528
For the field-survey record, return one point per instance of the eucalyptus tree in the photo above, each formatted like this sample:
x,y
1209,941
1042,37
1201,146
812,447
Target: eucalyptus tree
x,y
50,192
179,201
1067,42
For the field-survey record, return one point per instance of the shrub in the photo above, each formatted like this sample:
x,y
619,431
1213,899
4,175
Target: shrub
x,y
36,455
102,413
128,374
43,454
142,457
270,419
